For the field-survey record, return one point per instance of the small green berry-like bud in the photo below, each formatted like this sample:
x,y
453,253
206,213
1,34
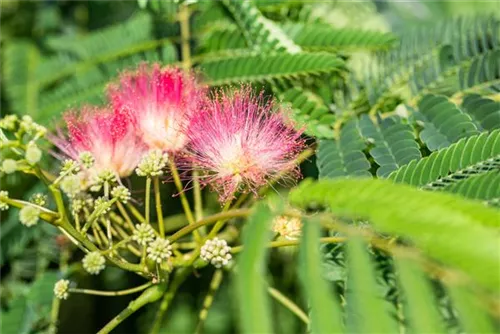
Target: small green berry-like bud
x,y
29,215
69,166
33,154
9,166
8,122
87,159
71,185
105,176
61,289
152,163
38,199
94,263
121,193
3,196
102,205
159,250
143,234
217,252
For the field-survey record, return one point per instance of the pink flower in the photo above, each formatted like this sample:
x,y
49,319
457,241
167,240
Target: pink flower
x,y
242,142
160,102
108,136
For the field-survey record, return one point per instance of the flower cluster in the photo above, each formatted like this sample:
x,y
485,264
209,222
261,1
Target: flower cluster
x,y
217,252
238,141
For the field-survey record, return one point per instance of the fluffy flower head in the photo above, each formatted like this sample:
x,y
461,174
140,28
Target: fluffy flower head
x,y
160,102
241,141
108,137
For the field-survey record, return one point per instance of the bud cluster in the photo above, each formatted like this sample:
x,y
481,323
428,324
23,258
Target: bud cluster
x,y
152,164
217,252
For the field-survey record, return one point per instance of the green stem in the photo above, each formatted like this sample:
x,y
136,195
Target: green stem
x,y
125,215
220,223
222,216
159,210
182,195
207,302
45,214
184,23
285,243
96,214
117,245
179,278
149,296
54,315
136,213
286,302
198,203
148,196
112,293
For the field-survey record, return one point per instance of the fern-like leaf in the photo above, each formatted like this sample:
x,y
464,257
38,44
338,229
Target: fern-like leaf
x,y
469,156
343,157
260,68
444,122
394,143
484,187
485,112
261,33
309,111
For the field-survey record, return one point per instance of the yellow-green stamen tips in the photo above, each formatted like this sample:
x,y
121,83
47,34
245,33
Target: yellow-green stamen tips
x,y
159,250
152,164
94,263
216,252
143,234
61,289
29,215
9,166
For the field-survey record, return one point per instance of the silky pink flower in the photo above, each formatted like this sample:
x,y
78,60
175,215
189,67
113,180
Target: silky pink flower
x,y
109,136
241,142
160,101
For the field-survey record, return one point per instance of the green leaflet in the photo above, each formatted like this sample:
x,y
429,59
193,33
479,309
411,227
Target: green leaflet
x,y
366,310
325,312
469,156
253,300
434,218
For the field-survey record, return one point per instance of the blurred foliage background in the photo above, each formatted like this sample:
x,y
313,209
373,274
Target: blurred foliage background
x,y
59,54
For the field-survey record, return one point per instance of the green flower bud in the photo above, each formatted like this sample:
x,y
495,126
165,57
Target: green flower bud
x,y
9,166
29,215
9,122
159,250
152,164
69,166
143,234
39,199
61,289
217,252
87,159
71,185
94,263
33,154
121,193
